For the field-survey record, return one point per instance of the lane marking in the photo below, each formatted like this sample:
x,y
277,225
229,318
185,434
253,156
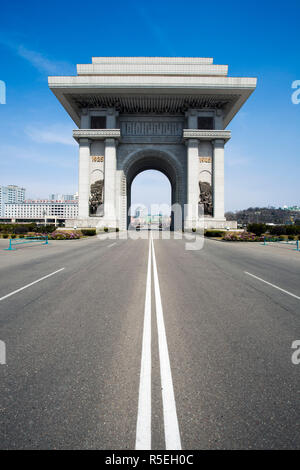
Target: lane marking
x,y
143,427
172,435
273,285
31,284
112,244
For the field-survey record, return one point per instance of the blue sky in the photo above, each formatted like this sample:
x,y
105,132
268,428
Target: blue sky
x,y
259,39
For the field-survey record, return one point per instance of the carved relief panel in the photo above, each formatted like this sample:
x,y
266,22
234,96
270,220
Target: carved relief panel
x,y
151,129
205,177
96,199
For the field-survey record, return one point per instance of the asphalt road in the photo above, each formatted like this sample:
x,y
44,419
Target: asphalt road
x,y
137,343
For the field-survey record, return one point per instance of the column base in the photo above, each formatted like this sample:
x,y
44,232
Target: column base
x,y
91,222
214,223
210,223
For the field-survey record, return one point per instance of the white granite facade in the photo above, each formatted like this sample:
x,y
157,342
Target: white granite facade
x,y
167,114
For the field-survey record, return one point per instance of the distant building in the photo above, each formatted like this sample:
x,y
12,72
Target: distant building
x,y
63,197
292,208
10,194
41,210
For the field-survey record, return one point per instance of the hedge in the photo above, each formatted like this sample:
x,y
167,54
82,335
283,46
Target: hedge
x,y
284,229
88,232
258,229
214,233
25,228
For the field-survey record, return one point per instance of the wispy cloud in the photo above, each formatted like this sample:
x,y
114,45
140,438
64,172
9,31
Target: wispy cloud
x,y
38,60
42,63
54,134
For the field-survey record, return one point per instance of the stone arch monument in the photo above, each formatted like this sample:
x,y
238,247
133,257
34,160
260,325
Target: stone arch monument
x,y
163,113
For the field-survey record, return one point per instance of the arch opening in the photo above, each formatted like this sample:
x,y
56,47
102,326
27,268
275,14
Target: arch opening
x,y
151,200
160,162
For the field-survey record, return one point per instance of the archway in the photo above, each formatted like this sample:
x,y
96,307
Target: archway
x,y
151,200
163,161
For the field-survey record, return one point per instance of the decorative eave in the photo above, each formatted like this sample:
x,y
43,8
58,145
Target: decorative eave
x,y
96,134
206,134
171,104
152,85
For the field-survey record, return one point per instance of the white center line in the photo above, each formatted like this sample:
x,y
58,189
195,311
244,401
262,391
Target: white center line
x,y
143,427
172,435
31,284
273,285
112,244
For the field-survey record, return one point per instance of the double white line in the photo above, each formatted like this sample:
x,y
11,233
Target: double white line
x,y
171,428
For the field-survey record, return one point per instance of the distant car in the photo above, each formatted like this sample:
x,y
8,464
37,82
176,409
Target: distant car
x,y
138,227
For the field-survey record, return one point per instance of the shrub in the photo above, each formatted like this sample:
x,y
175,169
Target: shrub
x,y
214,233
258,229
45,228
74,235
193,230
117,229
291,237
276,230
20,229
17,228
242,237
5,228
62,235
284,230
88,232
5,235
13,235
56,236
105,229
292,229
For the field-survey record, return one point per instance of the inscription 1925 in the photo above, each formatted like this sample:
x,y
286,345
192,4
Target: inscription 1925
x,y
97,159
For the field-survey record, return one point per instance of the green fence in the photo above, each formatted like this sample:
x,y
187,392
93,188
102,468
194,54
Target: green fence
x,y
268,240
21,241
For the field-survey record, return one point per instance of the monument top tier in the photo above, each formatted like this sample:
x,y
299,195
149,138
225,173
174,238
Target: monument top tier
x,y
152,60
157,85
152,66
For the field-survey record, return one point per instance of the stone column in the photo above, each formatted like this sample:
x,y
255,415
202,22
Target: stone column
x,y
218,179
110,167
85,119
84,178
111,118
191,216
192,119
